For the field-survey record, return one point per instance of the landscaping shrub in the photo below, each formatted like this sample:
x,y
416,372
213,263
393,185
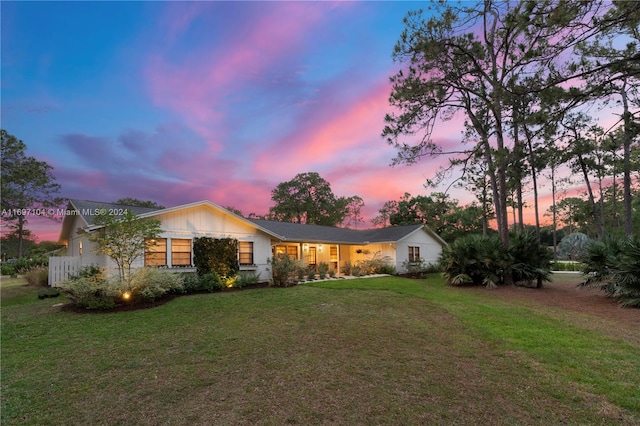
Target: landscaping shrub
x,y
531,261
211,282
560,265
418,269
90,271
90,290
283,270
194,283
219,255
347,269
148,284
613,266
385,268
7,270
92,293
368,267
190,282
355,271
246,279
475,259
483,260
24,265
48,292
38,276
301,273
376,265
311,273
323,268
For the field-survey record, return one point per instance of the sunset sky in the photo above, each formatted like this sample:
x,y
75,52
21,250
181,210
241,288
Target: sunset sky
x,y
177,102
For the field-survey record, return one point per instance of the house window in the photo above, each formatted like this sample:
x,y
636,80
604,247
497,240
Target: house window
x,y
180,252
246,252
333,253
414,254
291,251
156,254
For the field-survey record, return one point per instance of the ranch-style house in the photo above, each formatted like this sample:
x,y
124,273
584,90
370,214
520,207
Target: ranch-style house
x,y
258,240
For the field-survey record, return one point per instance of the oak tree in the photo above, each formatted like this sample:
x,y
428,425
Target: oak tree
x,y
308,198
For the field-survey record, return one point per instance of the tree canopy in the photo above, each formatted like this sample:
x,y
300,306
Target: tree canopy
x,y
308,198
128,201
515,70
438,211
28,187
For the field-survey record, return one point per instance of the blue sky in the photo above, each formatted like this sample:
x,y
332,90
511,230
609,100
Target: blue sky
x,y
177,102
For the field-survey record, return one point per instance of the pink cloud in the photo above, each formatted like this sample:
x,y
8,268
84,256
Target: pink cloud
x,y
329,131
199,87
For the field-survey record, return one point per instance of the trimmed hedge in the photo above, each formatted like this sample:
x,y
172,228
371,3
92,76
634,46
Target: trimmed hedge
x,y
219,255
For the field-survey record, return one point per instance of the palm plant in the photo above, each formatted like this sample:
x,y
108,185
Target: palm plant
x,y
627,274
599,258
531,261
475,259
613,265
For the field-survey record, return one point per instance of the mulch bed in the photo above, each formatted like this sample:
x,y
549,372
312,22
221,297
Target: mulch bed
x,y
72,307
566,294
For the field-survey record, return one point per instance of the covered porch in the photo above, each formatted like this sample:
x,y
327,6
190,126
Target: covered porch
x,y
335,255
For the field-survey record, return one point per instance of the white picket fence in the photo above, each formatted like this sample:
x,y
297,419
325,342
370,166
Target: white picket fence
x,y
61,267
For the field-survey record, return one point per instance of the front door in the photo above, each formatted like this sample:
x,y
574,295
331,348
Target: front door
x,y
312,256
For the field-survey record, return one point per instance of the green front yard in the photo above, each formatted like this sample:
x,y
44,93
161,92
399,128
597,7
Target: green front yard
x,y
366,351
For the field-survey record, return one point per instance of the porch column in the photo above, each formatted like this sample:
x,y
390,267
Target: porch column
x,y
168,254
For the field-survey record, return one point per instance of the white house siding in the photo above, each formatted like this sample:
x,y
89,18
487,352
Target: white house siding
x,y
430,249
205,221
188,223
79,246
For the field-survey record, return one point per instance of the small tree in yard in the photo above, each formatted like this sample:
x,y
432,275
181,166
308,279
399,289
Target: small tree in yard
x,y
124,239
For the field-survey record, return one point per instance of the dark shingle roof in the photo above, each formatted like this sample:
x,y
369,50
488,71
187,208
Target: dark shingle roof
x,y
329,234
392,233
286,231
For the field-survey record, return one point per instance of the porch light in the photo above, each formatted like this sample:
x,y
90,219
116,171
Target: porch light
x,y
320,248
305,247
126,295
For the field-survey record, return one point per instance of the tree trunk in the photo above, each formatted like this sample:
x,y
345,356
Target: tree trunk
x,y
20,230
601,204
518,164
554,219
626,161
534,178
592,202
520,208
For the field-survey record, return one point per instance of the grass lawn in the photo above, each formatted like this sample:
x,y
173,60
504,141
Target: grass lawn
x,y
367,351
